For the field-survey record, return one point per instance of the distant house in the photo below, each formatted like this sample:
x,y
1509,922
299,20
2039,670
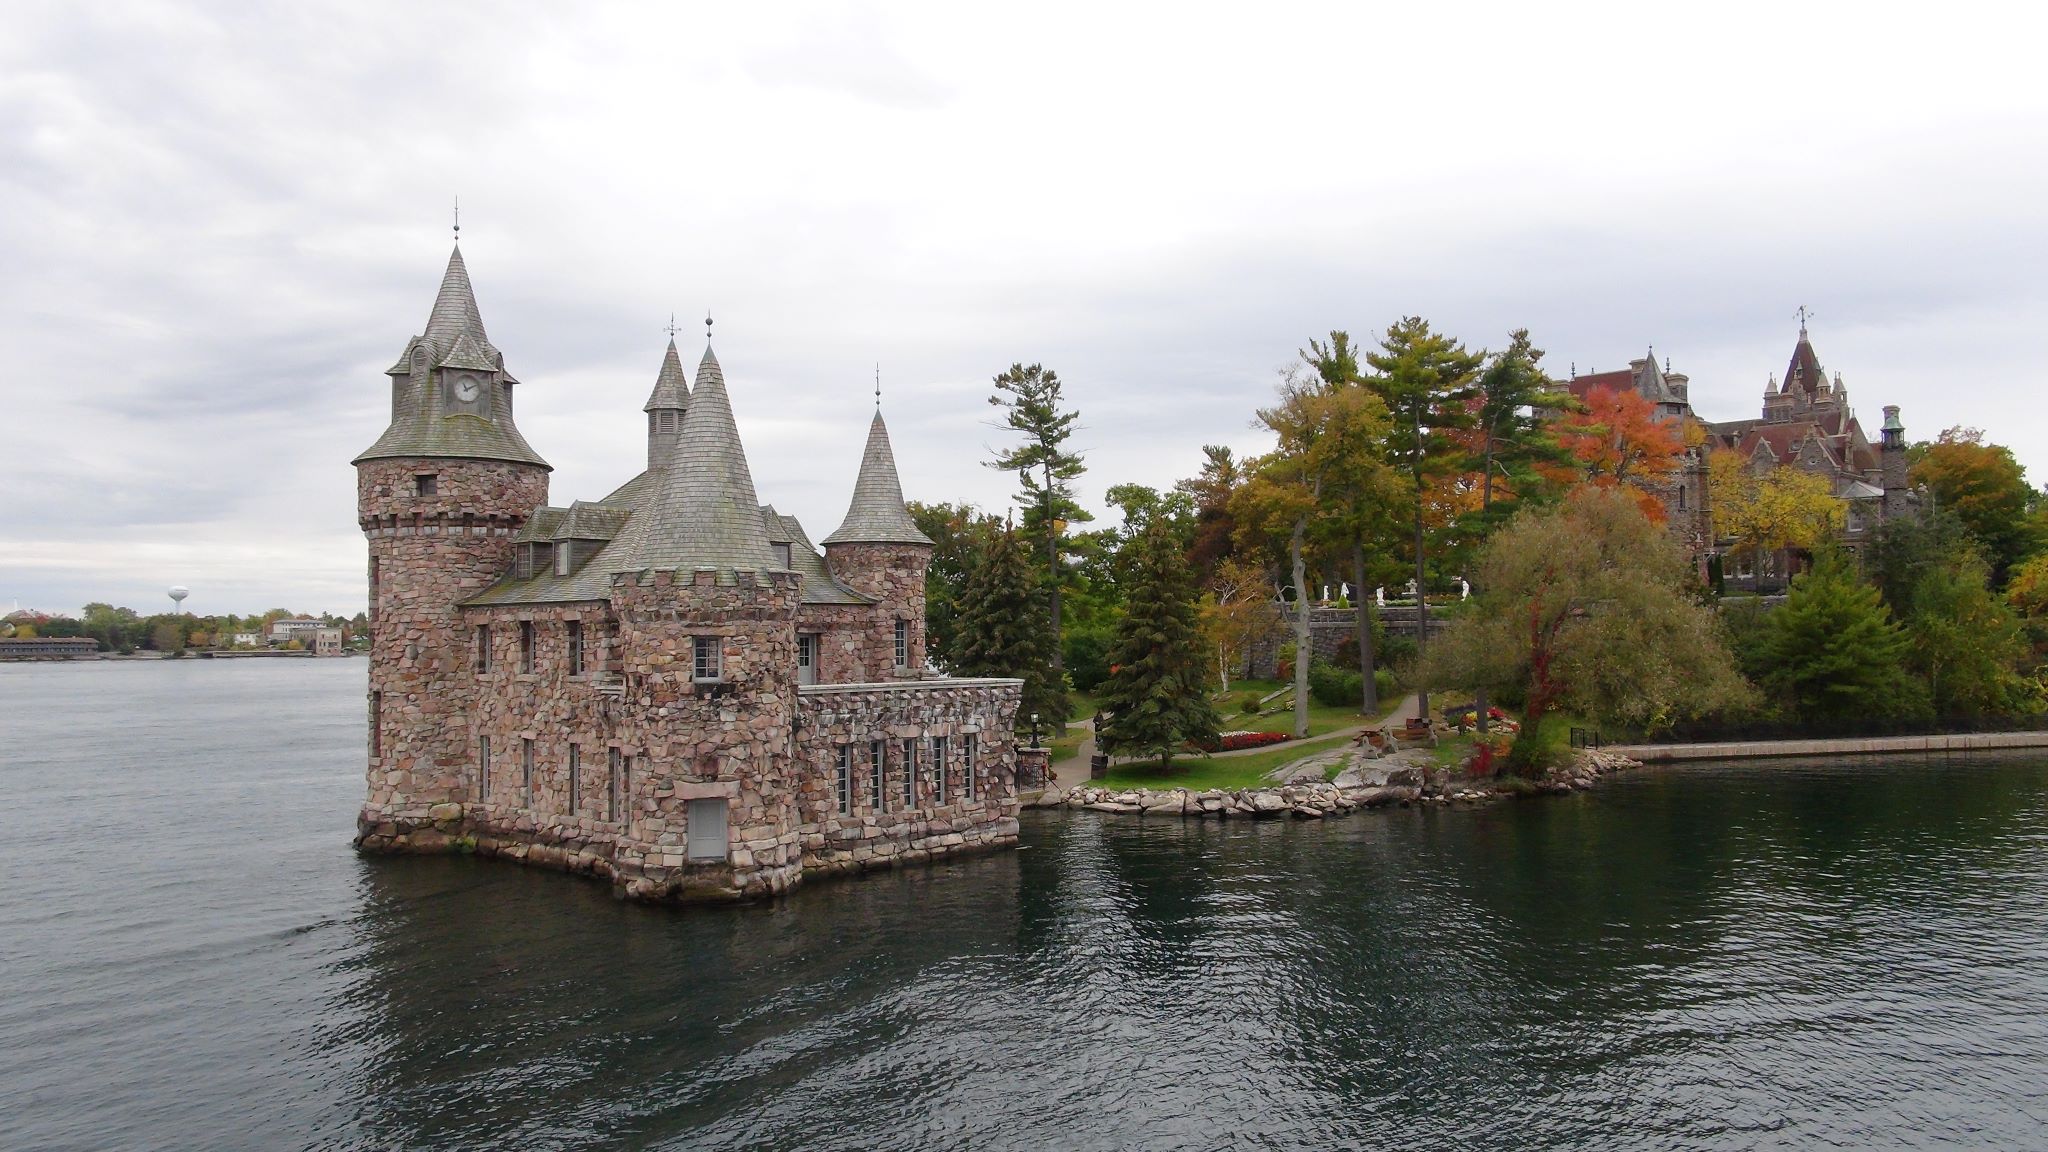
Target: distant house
x,y
327,642
49,648
300,628
248,640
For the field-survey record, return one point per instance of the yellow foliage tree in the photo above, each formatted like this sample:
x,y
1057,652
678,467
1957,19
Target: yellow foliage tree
x,y
1782,508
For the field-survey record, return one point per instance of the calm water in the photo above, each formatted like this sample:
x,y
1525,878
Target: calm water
x,y
192,957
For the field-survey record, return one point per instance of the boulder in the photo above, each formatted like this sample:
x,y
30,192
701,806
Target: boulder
x,y
1267,803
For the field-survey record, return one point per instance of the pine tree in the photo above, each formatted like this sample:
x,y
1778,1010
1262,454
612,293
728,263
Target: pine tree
x,y
1157,696
999,628
1833,651
1046,469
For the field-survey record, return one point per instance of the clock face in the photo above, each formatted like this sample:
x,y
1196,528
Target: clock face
x,y
468,388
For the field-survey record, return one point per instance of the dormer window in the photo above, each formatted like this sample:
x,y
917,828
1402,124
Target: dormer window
x,y
562,559
426,484
781,554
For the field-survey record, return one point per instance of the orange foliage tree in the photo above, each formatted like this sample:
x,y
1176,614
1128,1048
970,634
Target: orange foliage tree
x,y
1618,441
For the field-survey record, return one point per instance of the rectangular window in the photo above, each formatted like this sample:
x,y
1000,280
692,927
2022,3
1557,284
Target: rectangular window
x,y
426,484
967,743
903,643
376,723
483,648
483,769
845,780
611,788
709,662
806,658
706,833
877,770
575,775
373,578
781,555
614,655
565,555
910,773
526,771
938,769
575,647
526,645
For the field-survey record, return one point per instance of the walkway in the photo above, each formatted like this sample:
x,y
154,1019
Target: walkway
x,y
1074,770
1855,746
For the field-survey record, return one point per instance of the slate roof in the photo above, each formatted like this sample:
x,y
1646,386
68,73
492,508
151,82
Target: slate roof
x,y
455,339
877,514
671,387
1803,371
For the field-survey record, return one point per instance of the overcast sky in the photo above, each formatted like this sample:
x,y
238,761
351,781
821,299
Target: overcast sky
x,y
220,223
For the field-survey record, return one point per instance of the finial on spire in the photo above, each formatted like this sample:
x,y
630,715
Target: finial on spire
x,y
458,219
878,385
1804,316
707,325
672,329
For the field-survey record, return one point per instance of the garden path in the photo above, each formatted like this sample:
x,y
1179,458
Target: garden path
x,y
1073,770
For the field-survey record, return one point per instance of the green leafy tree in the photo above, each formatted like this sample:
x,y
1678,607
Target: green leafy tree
x,y
1157,694
1000,629
1985,488
1833,651
1589,606
1425,379
1030,397
959,535
1970,646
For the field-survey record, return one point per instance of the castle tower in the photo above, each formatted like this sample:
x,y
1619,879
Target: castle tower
x,y
665,409
879,552
439,497
1892,457
707,621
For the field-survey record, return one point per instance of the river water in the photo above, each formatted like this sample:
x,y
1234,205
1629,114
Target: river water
x,y
1723,957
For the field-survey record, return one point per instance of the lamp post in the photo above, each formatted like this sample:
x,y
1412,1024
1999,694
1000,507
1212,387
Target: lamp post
x,y
1034,729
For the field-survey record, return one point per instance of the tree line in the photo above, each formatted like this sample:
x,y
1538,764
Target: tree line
x,y
125,630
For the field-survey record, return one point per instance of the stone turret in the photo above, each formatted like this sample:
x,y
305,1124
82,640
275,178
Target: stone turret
x,y
879,552
665,408
439,496
1892,457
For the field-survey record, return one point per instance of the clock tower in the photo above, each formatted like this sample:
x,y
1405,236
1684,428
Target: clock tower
x,y
439,497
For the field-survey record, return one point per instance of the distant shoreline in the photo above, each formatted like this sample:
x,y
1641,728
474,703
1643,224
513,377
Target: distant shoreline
x,y
155,656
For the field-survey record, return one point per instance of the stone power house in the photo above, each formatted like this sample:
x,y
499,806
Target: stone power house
x,y
670,687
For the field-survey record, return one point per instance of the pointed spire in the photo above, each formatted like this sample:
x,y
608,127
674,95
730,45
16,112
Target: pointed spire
x,y
455,312
704,514
671,387
877,514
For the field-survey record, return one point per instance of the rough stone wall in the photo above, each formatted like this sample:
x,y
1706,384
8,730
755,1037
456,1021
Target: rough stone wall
x,y
846,641
894,575
427,553
893,832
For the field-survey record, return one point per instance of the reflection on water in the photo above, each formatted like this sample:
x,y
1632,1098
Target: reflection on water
x,y
1734,957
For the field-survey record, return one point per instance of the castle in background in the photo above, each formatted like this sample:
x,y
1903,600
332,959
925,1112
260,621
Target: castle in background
x,y
670,687
1806,423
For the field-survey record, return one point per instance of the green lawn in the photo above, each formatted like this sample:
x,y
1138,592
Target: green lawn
x,y
1199,772
1321,717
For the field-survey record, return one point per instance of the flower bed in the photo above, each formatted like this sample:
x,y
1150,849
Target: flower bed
x,y
1232,741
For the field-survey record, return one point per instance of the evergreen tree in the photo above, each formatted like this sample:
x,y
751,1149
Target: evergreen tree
x,y
1157,696
1833,651
999,629
959,534
1046,469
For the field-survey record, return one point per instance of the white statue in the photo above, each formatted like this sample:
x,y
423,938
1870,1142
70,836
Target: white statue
x,y
1379,595
1464,589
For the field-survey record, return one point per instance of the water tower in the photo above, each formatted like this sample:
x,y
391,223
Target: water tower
x,y
178,594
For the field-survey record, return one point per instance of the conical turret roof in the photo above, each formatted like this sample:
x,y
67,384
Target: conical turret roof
x,y
704,514
877,514
671,387
455,312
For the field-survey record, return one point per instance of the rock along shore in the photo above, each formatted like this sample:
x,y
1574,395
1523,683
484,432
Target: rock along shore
x,y
1356,787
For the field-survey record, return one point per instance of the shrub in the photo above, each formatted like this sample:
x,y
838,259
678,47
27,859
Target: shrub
x,y
1385,683
1249,703
1334,687
1232,741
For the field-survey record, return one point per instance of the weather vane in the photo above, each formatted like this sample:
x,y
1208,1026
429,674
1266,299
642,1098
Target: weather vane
x,y
672,329
458,217
878,384
1804,316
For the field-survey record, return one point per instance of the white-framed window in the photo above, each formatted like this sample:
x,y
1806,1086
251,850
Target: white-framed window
x,y
575,633
575,775
938,769
426,484
967,770
806,658
483,769
877,773
845,780
526,770
706,832
903,643
708,659
563,555
910,773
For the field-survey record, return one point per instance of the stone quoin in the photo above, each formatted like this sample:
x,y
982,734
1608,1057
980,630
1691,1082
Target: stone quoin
x,y
672,687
